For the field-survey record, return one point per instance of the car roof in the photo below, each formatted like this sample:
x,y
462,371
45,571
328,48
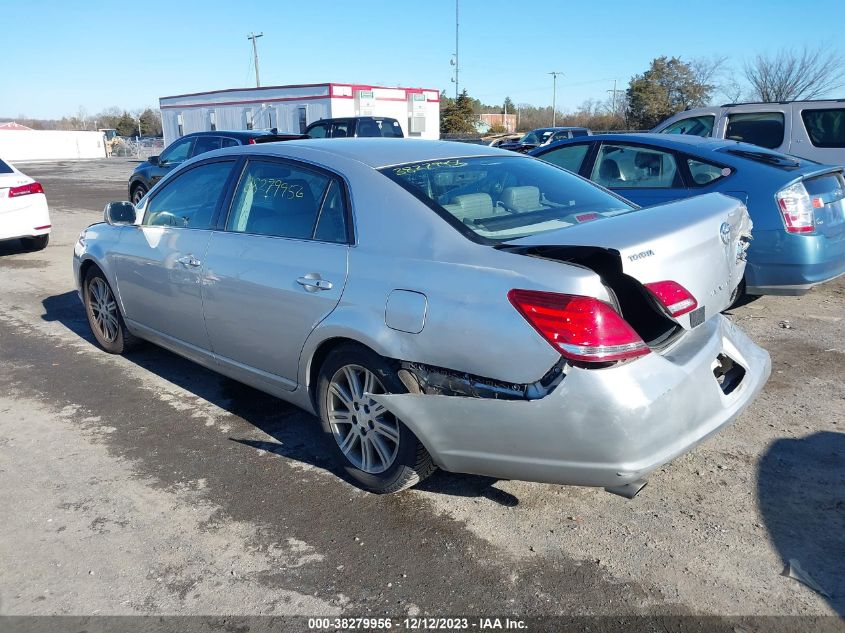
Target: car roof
x,y
672,141
238,133
353,118
375,152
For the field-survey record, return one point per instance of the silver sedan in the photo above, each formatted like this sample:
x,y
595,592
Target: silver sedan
x,y
439,305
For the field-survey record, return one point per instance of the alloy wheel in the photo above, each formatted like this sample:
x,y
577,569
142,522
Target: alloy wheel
x,y
366,432
103,309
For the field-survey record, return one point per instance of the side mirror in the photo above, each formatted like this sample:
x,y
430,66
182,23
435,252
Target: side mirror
x,y
154,160
118,213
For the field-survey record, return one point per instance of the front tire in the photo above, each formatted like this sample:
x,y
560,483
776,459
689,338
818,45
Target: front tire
x,y
138,192
37,243
378,452
104,315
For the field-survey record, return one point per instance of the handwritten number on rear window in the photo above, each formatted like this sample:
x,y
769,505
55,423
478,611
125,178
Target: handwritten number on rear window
x,y
275,188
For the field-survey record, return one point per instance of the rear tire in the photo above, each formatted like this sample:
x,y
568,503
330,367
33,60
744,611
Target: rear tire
x,y
104,316
376,450
38,243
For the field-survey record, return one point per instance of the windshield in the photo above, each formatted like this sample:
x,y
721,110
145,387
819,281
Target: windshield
x,y
502,198
529,138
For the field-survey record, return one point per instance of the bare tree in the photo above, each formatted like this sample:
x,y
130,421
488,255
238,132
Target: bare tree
x,y
791,75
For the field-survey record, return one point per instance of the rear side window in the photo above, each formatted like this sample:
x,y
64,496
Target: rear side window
x,y
758,128
283,200
631,166
230,142
704,173
189,200
570,157
389,128
693,126
826,128
205,144
4,168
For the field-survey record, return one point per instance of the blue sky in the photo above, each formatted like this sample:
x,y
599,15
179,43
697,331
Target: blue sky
x,y
58,55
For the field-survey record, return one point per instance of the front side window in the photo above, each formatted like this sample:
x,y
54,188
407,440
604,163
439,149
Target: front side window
x,y
190,199
758,128
341,129
318,131
505,197
826,128
630,166
569,157
694,126
283,200
704,173
176,153
205,144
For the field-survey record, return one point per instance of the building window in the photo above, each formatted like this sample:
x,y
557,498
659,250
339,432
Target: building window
x,y
180,123
303,119
249,119
212,120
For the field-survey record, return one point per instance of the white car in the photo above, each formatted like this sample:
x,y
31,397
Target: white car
x,y
23,209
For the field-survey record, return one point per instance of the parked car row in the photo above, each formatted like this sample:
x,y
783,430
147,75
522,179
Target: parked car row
x,y
439,305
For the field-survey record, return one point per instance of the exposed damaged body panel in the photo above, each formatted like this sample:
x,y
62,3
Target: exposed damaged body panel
x,y
596,428
438,381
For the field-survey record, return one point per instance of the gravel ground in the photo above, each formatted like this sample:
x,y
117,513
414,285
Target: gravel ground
x,y
149,485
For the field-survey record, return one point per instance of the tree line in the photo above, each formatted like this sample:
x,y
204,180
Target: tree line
x,y
125,122
668,86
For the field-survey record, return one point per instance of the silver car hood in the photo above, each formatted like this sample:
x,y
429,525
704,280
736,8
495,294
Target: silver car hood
x,y
698,242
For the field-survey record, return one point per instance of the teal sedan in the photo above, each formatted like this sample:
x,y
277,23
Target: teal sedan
x,y
797,205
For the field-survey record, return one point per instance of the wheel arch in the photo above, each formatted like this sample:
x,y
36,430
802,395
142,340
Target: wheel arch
x,y
318,357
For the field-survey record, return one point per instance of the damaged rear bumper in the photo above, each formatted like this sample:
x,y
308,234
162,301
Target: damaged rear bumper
x,y
602,427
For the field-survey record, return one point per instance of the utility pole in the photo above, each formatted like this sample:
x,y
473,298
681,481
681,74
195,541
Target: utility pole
x,y
455,60
554,75
613,107
253,37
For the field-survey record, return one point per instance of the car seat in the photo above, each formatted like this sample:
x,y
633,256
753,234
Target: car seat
x,y
609,174
522,199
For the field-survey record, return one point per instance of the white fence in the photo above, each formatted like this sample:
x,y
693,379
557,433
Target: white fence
x,y
21,145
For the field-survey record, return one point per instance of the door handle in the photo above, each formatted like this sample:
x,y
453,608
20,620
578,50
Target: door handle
x,y
189,260
313,284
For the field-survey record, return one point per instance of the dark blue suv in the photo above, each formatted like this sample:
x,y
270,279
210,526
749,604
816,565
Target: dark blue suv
x,y
155,168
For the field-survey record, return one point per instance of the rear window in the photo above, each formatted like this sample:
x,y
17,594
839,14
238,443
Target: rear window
x,y
4,168
758,128
503,198
826,128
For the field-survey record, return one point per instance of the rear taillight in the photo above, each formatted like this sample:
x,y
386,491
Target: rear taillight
x,y
580,328
25,190
674,297
251,141
796,208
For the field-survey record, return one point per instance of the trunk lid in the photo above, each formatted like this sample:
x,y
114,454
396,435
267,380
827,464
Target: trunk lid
x,y
698,242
